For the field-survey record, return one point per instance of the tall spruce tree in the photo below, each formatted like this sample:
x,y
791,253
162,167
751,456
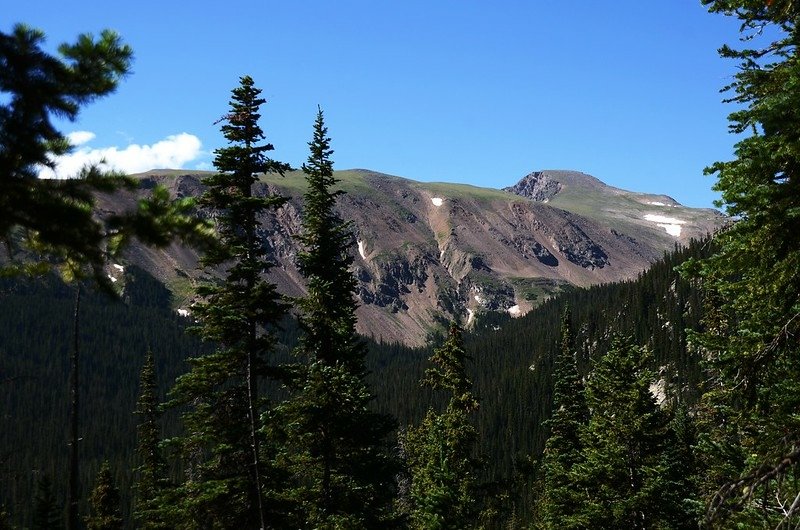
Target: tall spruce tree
x,y
440,452
623,472
104,503
752,438
335,446
150,474
226,483
561,496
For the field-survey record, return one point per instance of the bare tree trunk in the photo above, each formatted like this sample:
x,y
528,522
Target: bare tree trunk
x,y
252,383
73,487
252,396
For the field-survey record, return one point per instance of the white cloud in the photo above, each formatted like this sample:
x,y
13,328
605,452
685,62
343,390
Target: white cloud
x,y
173,152
80,137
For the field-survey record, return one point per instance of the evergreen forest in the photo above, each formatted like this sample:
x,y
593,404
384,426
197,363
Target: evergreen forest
x,y
667,401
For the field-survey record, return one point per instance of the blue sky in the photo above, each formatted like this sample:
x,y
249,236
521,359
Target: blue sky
x,y
442,90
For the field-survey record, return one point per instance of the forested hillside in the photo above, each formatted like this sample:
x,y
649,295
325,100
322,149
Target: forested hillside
x,y
513,363
511,369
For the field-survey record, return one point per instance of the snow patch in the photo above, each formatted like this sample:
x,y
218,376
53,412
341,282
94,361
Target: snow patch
x,y
114,280
437,201
119,267
478,299
656,203
183,312
663,219
470,316
670,224
673,230
362,249
515,311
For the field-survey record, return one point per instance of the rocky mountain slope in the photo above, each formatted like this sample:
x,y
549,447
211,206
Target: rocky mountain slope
x,y
429,252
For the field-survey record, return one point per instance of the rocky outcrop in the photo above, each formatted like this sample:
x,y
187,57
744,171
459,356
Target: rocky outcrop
x,y
536,186
577,247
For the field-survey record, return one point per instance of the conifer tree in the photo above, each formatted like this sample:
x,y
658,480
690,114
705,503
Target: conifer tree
x,y
440,451
39,86
150,475
104,503
752,439
560,498
334,446
56,217
46,514
623,472
226,486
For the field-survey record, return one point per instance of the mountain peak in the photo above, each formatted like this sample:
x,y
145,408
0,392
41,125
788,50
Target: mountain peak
x,y
541,186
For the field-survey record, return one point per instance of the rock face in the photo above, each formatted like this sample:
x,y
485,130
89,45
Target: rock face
x,y
426,253
537,186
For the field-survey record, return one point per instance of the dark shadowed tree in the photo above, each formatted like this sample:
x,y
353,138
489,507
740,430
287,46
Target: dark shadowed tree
x,y
4,519
73,482
334,445
53,216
